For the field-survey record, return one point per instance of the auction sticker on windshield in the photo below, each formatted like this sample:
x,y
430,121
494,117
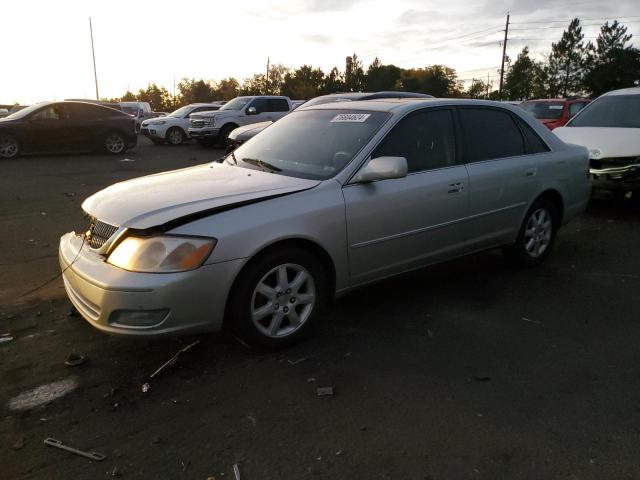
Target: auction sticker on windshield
x,y
351,117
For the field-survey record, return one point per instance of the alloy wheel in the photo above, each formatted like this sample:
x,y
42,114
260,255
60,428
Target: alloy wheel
x,y
175,137
114,143
8,147
283,300
537,234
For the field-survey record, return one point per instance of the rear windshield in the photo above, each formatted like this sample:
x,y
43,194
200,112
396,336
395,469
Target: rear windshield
x,y
130,110
544,110
618,111
314,144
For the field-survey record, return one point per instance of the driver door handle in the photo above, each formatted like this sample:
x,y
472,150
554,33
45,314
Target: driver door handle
x,y
455,188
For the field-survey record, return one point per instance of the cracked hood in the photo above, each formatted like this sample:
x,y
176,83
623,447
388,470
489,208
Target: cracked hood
x,y
154,200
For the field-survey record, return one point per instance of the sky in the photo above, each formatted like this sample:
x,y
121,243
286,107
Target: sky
x,y
47,51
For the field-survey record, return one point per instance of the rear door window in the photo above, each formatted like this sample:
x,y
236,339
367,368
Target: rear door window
x,y
489,134
260,104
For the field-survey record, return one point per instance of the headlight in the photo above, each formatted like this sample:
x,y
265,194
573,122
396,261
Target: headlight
x,y
161,254
211,121
158,122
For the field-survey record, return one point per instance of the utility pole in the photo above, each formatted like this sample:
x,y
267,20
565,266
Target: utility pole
x,y
174,91
266,80
488,86
93,52
504,54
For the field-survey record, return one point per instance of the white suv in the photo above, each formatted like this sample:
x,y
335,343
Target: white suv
x,y
174,127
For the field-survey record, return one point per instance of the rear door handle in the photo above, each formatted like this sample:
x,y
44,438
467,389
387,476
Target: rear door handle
x,y
455,188
530,172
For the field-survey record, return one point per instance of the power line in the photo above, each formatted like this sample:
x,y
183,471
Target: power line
x,y
473,36
564,26
602,19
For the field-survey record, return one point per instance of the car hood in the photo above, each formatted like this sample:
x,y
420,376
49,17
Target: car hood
x,y
603,142
155,200
248,131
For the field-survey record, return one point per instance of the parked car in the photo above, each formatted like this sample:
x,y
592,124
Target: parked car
x,y
211,127
66,127
115,105
138,110
610,128
174,128
554,113
328,199
241,134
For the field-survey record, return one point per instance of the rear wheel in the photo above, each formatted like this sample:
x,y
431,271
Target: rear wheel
x,y
175,136
536,236
8,146
114,143
277,298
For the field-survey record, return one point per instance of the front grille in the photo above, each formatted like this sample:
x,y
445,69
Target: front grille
x,y
99,232
197,123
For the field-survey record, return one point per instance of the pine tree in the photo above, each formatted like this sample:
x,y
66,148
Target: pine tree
x,y
567,62
520,79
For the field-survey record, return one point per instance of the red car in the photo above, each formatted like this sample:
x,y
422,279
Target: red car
x,y
554,113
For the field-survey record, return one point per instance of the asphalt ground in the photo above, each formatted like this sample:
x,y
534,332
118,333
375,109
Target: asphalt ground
x,y
467,370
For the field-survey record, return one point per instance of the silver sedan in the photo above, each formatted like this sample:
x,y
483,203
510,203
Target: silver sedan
x,y
327,199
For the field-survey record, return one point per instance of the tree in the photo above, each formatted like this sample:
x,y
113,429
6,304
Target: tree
x,y
353,74
567,62
303,83
195,91
478,89
519,83
158,97
382,77
226,89
127,97
614,64
254,85
333,82
276,79
436,80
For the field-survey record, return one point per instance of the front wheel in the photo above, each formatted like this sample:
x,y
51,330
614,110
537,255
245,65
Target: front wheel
x,y
175,136
8,146
277,298
536,235
225,131
114,143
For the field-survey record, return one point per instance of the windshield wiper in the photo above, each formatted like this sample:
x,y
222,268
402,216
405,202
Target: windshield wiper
x,y
264,166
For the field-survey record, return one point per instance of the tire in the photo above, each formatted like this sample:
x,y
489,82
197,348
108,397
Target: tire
x,y
223,138
114,143
536,236
277,298
175,136
9,147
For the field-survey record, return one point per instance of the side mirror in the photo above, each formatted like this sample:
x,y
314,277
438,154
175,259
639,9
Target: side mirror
x,y
382,168
252,111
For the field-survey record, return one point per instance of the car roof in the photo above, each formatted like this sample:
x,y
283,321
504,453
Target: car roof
x,y
401,105
624,91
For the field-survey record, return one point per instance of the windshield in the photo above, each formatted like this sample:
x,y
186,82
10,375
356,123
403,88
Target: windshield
x,y
236,104
181,112
618,111
544,109
314,144
26,111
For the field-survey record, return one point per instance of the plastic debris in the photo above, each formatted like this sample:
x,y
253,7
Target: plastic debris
x,y
146,387
324,391
537,322
128,160
74,360
236,471
295,362
174,359
6,338
19,444
311,379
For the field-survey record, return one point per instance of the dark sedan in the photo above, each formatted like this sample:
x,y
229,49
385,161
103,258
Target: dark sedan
x,y
66,127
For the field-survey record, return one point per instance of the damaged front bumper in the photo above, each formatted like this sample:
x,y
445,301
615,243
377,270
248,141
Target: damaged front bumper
x,y
120,302
625,177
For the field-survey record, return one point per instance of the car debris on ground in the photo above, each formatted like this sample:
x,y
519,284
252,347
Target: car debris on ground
x,y
296,362
74,360
52,442
173,359
236,471
6,338
324,391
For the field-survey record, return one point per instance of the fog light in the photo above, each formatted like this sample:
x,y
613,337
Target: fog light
x,y
138,318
